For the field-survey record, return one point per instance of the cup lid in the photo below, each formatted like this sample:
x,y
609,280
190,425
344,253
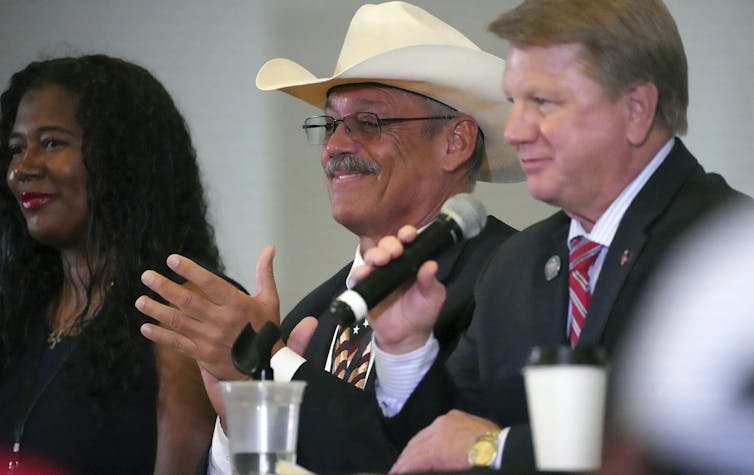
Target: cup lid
x,y
553,355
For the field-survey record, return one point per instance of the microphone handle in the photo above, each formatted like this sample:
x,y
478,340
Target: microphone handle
x,y
438,236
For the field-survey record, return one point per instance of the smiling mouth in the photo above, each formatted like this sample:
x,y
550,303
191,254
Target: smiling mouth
x,y
532,160
346,175
34,200
343,167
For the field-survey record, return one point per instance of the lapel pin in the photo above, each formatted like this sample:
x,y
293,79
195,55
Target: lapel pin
x,y
552,267
625,257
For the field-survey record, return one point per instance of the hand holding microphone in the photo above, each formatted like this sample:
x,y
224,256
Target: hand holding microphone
x,y
461,217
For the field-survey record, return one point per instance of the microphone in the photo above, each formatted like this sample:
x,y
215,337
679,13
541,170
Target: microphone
x,y
251,352
461,217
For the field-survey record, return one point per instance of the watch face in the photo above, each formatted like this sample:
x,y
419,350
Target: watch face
x,y
483,452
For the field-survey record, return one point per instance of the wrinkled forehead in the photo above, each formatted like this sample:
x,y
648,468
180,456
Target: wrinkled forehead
x,y
364,88
366,94
369,97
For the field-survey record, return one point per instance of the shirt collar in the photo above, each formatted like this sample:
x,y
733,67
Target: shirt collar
x,y
358,260
606,226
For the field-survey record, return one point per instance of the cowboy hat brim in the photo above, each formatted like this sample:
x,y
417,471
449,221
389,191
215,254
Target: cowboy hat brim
x,y
449,74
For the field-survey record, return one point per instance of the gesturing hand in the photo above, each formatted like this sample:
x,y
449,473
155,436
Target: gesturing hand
x,y
207,313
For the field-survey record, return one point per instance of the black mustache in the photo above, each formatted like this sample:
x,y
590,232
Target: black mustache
x,y
349,163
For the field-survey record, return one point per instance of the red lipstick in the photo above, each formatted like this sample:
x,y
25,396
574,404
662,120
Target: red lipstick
x,y
32,200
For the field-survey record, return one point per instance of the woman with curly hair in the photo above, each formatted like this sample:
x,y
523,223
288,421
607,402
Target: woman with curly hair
x,y
101,183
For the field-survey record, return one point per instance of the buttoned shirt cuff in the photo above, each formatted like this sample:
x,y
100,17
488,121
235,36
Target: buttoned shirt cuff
x,y
398,375
219,455
285,363
500,447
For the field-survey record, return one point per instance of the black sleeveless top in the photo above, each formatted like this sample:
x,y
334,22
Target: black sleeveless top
x,y
53,420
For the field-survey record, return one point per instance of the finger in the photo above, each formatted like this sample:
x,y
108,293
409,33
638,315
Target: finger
x,y
168,316
359,272
392,245
301,335
215,288
191,301
400,465
407,233
387,249
429,287
409,460
164,336
426,277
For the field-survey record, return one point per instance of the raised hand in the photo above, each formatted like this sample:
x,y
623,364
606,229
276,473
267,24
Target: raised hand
x,y
207,312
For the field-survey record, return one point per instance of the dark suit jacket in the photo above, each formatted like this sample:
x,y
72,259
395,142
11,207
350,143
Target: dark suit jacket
x,y
518,308
340,426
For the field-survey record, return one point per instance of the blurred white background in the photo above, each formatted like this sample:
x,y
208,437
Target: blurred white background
x,y
264,182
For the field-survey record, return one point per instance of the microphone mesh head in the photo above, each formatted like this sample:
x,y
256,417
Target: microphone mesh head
x,y
468,212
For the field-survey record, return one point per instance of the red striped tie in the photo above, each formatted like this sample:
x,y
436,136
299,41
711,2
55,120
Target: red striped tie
x,y
583,254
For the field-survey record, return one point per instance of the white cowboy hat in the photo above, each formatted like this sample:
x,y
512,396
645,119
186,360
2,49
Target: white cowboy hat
x,y
401,45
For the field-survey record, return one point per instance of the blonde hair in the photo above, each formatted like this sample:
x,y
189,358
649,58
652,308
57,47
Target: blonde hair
x,y
625,41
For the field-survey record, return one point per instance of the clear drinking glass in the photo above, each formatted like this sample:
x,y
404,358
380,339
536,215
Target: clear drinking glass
x,y
262,422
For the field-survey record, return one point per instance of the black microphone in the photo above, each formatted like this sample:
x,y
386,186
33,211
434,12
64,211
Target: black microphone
x,y
461,217
251,352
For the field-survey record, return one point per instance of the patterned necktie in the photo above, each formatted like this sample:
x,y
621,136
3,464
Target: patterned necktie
x,y
583,254
351,353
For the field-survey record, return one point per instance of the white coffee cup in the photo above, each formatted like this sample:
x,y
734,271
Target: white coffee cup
x,y
565,393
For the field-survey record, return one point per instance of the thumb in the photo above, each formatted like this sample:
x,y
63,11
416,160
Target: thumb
x,y
301,334
212,386
265,279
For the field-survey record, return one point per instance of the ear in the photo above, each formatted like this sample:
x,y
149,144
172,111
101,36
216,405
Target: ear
x,y
461,140
642,107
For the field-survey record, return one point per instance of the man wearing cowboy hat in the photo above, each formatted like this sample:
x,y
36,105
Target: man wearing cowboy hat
x,y
405,127
599,93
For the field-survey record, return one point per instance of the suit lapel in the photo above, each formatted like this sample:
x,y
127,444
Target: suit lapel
x,y
318,350
550,297
620,259
632,234
446,261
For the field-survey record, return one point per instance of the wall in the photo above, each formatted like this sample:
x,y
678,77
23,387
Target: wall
x,y
264,182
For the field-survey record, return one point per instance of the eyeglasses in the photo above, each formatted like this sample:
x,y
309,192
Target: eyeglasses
x,y
363,127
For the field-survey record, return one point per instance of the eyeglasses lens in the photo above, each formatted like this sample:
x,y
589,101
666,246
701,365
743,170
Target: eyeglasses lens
x,y
362,127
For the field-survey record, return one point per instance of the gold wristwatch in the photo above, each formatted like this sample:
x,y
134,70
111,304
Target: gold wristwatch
x,y
484,450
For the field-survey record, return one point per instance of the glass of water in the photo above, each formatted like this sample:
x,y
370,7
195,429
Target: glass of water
x,y
262,422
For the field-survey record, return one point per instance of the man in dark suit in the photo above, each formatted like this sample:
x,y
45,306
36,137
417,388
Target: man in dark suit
x,y
599,94
409,121
333,412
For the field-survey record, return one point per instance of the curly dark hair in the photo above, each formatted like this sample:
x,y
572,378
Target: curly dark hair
x,y
145,198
